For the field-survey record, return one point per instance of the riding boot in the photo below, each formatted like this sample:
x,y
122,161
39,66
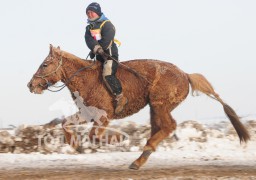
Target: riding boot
x,y
115,87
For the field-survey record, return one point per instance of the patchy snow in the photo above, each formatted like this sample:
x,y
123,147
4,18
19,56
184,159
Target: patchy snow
x,y
198,144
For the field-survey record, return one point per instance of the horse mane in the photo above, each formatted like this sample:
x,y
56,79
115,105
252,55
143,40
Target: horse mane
x,y
69,56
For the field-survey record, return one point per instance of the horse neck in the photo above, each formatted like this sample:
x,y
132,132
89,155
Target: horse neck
x,y
70,67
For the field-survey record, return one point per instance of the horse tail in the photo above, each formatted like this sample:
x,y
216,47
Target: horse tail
x,y
199,83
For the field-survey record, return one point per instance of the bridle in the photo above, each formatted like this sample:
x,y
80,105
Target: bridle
x,y
49,84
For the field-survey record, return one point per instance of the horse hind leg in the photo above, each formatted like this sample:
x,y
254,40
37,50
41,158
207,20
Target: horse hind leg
x,y
162,124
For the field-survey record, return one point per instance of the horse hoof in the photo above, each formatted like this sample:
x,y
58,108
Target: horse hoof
x,y
80,150
134,166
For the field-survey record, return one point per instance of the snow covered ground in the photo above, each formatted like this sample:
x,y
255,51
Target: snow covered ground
x,y
202,151
212,144
124,159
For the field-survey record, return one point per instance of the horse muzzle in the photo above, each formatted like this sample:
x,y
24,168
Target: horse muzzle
x,y
35,89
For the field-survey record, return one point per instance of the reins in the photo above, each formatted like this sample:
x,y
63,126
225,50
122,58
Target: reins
x,y
71,77
49,84
129,69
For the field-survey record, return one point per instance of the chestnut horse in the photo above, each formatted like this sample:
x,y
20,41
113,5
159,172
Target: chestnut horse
x,y
160,84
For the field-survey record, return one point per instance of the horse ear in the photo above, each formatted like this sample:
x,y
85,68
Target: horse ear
x,y
51,49
57,50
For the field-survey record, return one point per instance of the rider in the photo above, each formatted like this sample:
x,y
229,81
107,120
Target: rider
x,y
99,37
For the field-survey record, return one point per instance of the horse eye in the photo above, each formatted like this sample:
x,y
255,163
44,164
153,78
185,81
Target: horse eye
x,y
44,65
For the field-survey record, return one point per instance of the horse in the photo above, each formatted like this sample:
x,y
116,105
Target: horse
x,y
161,85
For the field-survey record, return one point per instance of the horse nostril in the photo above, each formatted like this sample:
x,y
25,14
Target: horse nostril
x,y
29,85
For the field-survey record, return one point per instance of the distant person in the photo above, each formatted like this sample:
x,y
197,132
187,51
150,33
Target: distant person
x,y
99,37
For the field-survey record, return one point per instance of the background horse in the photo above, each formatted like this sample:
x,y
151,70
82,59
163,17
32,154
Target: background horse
x,y
160,84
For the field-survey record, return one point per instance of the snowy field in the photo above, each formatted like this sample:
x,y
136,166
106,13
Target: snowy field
x,y
210,151
160,159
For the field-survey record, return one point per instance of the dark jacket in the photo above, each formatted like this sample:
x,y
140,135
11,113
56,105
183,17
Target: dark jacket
x,y
107,33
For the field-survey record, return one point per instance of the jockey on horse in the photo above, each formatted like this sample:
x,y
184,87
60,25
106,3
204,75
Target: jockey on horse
x,y
99,37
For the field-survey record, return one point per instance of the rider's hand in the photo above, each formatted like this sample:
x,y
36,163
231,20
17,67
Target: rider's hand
x,y
98,50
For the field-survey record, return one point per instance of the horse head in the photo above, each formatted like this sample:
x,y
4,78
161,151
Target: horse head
x,y
48,73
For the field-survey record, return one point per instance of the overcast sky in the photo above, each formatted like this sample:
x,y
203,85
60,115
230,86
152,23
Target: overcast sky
x,y
214,37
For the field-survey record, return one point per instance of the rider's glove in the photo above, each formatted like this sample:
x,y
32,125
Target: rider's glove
x,y
98,50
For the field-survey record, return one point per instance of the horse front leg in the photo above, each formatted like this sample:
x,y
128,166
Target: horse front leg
x,y
162,124
100,133
69,129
